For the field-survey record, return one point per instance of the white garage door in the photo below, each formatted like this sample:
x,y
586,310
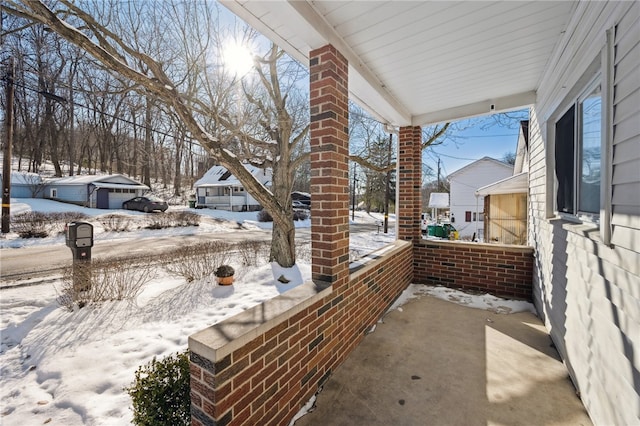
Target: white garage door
x,y
118,196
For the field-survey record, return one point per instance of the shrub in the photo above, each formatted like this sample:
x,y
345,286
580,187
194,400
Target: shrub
x,y
252,251
224,271
160,392
159,221
303,251
264,216
185,218
194,262
115,222
300,214
30,224
59,220
97,281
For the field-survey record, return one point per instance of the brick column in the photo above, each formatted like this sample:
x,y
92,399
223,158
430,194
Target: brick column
x,y
329,166
410,182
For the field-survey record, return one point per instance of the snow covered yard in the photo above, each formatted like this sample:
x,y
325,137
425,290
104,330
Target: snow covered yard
x,y
71,368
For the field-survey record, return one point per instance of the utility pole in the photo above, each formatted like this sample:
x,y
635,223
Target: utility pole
x,y
353,195
8,143
438,187
387,192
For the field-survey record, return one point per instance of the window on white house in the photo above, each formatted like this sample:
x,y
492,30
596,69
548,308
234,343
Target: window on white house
x,y
467,216
54,193
578,154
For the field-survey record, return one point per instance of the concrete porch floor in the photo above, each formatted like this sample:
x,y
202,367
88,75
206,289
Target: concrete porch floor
x,y
438,363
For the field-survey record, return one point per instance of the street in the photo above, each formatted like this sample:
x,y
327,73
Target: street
x,y
32,265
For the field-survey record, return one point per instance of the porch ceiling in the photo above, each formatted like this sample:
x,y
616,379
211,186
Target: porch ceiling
x,y
423,62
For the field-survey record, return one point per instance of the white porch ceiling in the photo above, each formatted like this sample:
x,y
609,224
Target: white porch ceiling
x,y
423,62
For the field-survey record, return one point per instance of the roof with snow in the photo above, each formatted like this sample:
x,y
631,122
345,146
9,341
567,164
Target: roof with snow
x,y
439,200
220,176
111,181
24,178
512,185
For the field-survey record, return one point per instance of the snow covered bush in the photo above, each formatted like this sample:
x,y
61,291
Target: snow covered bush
x,y
160,392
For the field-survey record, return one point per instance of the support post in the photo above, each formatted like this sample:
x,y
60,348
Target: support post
x,y
329,133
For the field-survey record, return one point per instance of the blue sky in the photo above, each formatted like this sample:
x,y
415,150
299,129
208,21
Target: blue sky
x,y
477,138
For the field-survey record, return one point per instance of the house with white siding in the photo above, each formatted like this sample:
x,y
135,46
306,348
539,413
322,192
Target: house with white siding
x,y
467,209
584,209
219,189
25,185
95,191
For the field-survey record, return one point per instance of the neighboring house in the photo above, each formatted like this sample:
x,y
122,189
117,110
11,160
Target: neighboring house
x,y
26,185
505,201
95,191
219,189
466,210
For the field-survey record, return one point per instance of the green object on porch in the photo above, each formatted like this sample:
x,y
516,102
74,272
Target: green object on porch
x,y
431,230
192,204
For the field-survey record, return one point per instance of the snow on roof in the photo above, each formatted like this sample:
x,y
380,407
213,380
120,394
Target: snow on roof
x,y
24,178
220,176
512,185
87,179
439,200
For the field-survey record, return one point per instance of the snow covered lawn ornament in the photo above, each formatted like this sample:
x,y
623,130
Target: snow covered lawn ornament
x,y
286,278
224,274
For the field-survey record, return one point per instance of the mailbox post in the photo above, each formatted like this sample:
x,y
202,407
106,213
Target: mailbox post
x,y
79,238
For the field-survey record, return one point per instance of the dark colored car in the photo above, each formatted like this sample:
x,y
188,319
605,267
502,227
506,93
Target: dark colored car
x,y
145,204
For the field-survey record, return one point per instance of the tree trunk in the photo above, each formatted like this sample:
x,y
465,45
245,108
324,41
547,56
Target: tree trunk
x,y
283,243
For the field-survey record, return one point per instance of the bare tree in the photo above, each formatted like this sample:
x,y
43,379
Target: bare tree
x,y
150,76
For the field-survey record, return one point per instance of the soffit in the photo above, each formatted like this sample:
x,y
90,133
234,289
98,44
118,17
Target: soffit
x,y
422,62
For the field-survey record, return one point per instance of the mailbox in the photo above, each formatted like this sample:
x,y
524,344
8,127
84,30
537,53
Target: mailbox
x,y
79,238
79,234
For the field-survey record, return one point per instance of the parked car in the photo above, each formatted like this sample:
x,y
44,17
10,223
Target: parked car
x,y
145,204
299,205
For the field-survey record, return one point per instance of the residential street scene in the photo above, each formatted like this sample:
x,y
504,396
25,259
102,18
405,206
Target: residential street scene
x,y
310,212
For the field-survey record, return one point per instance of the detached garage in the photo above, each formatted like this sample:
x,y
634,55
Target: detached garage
x,y
101,192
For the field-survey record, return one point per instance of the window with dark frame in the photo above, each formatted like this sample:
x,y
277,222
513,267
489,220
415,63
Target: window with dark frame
x,y
578,154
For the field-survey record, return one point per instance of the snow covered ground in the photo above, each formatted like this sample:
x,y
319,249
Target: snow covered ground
x,y
70,368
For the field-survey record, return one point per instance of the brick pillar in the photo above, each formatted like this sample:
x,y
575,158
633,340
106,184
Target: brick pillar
x,y
410,182
329,166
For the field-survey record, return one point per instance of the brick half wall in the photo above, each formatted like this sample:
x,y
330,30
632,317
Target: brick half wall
x,y
500,270
261,366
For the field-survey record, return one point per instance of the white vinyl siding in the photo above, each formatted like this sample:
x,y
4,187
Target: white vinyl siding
x,y
463,186
587,290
